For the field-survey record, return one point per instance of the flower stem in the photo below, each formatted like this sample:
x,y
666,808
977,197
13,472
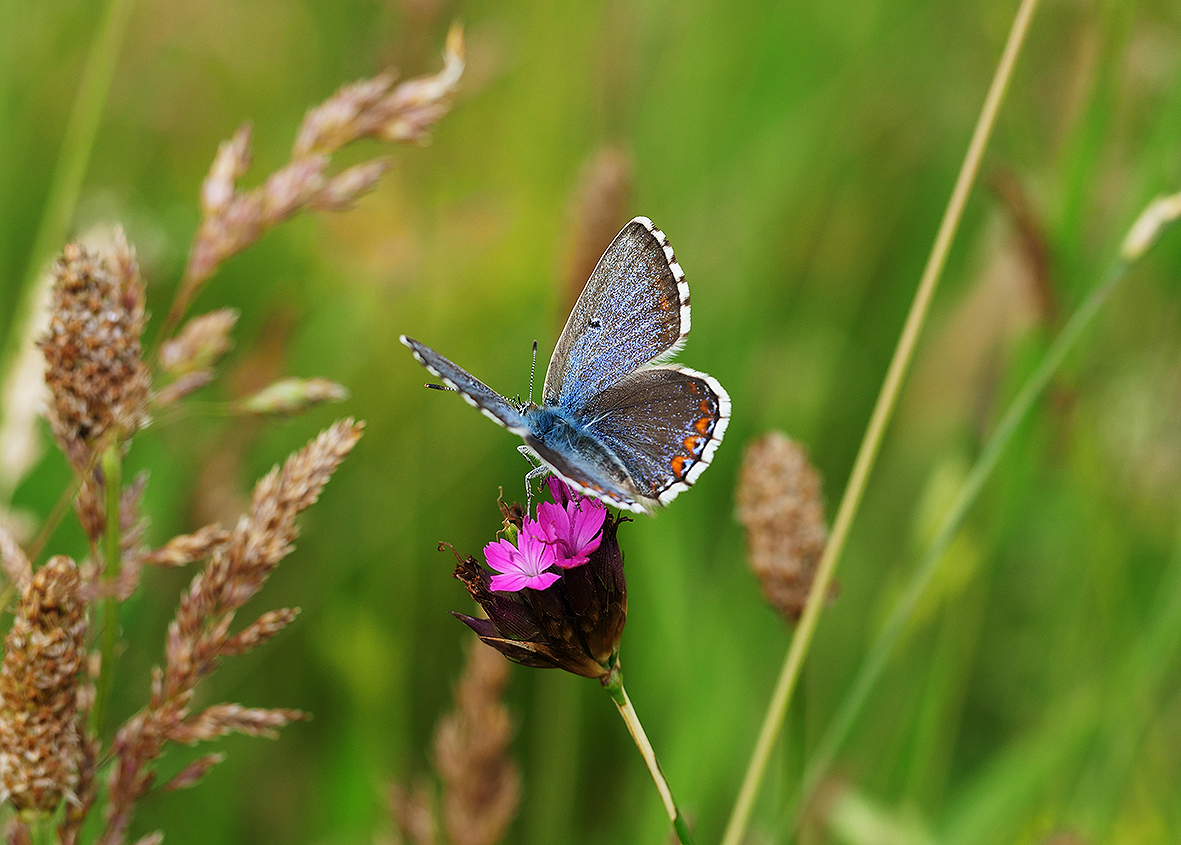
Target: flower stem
x,y
112,465
883,410
613,683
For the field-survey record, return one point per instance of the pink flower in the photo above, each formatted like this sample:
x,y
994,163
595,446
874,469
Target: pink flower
x,y
573,526
522,565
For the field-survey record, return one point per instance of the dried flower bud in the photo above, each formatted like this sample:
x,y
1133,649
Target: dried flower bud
x,y
200,343
293,396
779,502
575,623
40,736
94,364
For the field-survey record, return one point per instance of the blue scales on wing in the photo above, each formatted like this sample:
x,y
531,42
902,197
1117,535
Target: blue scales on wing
x,y
633,309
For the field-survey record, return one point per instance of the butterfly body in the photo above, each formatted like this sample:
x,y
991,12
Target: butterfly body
x,y
614,421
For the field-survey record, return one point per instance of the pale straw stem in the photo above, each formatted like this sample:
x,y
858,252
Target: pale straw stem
x,y
875,661
619,696
887,398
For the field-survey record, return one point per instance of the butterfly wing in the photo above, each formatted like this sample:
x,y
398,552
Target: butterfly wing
x,y
633,309
663,424
474,392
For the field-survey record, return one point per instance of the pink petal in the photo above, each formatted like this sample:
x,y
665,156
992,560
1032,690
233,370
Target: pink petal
x,y
538,555
558,490
553,521
587,524
502,556
517,581
563,562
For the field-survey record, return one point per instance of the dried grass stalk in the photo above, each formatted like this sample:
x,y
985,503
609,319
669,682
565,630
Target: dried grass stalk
x,y
14,562
482,785
199,635
188,548
413,813
599,208
372,108
200,344
193,772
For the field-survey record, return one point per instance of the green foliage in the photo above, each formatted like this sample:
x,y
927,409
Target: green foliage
x,y
798,156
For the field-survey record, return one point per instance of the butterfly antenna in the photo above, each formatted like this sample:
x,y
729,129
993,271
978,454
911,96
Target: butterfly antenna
x,y
434,386
532,372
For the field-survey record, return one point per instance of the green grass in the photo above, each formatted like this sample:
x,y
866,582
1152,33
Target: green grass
x,y
799,158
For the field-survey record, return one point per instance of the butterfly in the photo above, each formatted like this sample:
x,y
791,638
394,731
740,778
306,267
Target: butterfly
x,y
615,421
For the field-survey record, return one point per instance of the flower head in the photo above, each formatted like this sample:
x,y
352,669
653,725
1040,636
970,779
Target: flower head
x,y
576,621
780,504
94,363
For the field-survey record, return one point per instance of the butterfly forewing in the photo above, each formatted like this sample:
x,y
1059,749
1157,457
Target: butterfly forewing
x,y
633,309
474,392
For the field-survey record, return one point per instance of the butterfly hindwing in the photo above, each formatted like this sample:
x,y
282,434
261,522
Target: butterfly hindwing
x,y
664,424
633,309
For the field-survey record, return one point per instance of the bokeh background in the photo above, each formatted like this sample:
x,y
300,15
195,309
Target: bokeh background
x,y
799,156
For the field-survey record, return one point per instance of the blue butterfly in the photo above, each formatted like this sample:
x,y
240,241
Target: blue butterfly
x,y
615,421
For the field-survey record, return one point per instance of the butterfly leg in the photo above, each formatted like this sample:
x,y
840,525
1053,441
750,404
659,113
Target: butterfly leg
x,y
539,470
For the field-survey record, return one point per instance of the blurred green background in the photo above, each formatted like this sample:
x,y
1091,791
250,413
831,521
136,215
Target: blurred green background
x,y
799,156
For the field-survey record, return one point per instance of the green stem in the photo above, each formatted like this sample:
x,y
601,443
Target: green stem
x,y
883,410
112,465
40,828
613,683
